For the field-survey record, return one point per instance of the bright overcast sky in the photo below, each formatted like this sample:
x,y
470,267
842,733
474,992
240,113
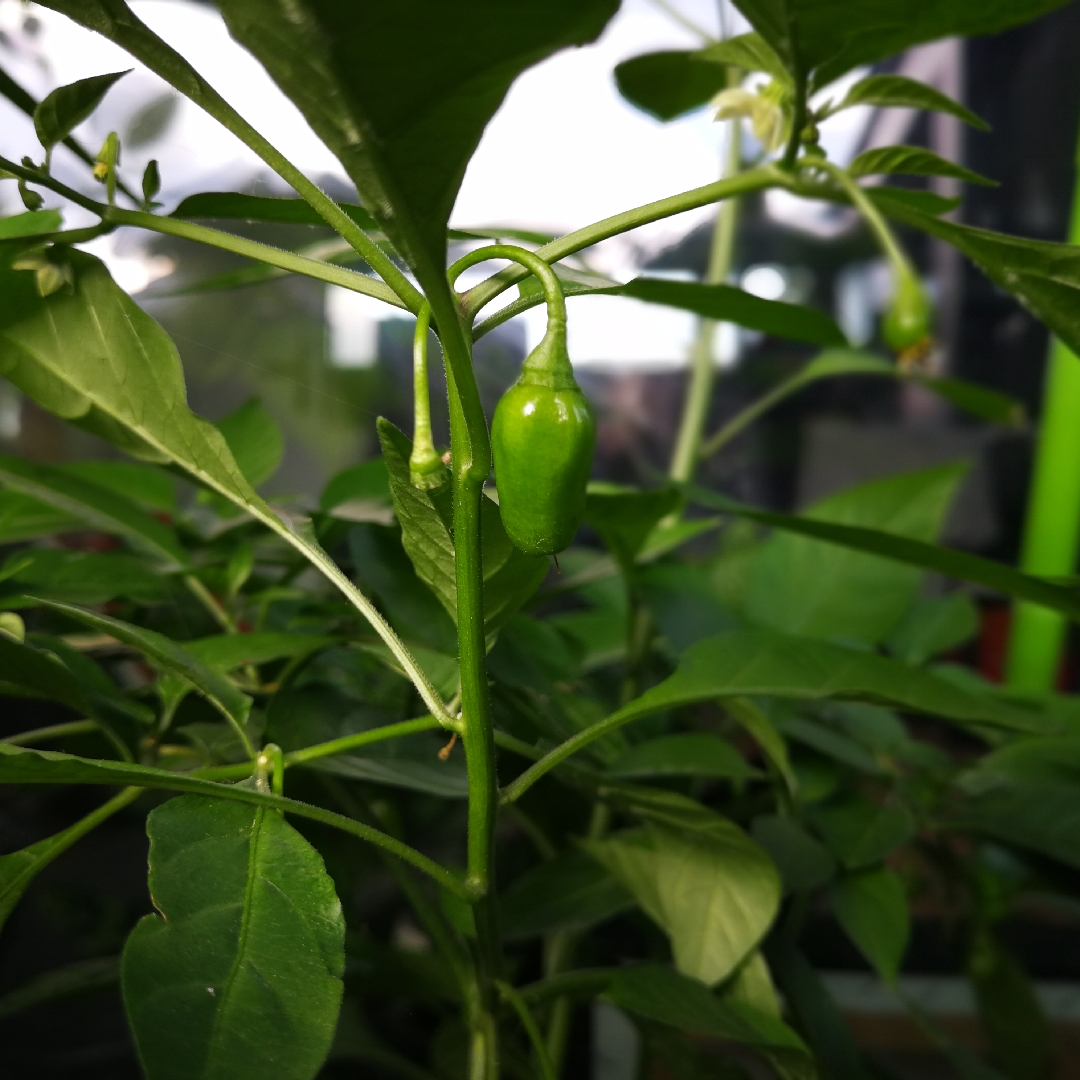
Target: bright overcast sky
x,y
553,170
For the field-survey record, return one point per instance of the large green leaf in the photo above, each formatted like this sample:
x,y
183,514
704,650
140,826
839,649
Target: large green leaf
x,y
911,161
624,517
814,1011
40,674
233,206
402,92
898,91
956,564
761,663
829,37
92,356
166,653
690,754
68,106
240,975
859,832
570,892
807,587
660,994
711,889
510,576
19,868
25,518
81,577
726,303
146,485
749,663
668,84
1028,794
32,223
97,506
255,440
872,909
1010,1014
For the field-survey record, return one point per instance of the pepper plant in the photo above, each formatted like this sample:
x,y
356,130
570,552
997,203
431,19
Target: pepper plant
x,y
637,780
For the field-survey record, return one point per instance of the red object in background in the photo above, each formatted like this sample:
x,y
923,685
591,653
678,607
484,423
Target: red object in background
x,y
994,641
993,646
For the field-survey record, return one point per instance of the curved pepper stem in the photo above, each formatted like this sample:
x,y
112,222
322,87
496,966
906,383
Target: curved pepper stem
x,y
549,363
426,467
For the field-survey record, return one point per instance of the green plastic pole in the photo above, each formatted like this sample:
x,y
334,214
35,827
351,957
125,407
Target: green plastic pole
x,y
1052,528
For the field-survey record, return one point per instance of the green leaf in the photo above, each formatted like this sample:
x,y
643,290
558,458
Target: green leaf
x,y
424,532
367,483
233,206
1026,793
624,517
748,663
725,303
978,400
668,997
510,576
683,602
922,202
762,730
40,674
227,652
97,506
68,106
24,518
829,37
81,577
1010,1015
671,83
32,223
1044,276
804,863
19,868
872,909
162,651
81,977
888,91
934,625
411,762
860,832
255,441
831,744
711,889
956,564
92,356
402,92
799,585
570,892
248,947
911,161
814,1011
143,484
689,754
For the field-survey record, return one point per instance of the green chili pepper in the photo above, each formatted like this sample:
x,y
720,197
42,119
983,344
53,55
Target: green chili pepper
x,y
542,434
542,439
906,324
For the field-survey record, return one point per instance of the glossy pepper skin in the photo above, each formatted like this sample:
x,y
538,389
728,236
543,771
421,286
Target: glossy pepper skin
x,y
907,322
542,439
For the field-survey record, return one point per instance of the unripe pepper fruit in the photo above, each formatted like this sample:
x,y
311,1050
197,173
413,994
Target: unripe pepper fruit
x,y
542,439
906,324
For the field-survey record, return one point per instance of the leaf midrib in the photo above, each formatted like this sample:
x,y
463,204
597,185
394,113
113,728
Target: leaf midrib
x,y
245,927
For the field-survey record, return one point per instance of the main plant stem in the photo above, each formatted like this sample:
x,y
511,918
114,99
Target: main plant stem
x,y
470,463
695,412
